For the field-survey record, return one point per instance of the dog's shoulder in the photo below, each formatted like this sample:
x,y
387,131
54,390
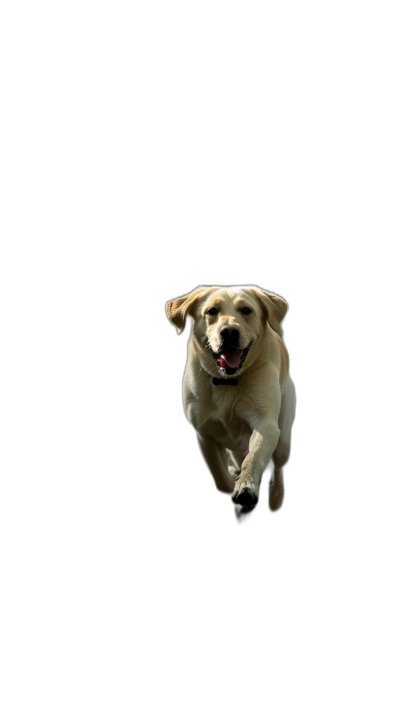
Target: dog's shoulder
x,y
284,361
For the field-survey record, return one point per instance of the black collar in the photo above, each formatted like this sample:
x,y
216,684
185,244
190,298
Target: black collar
x,y
225,382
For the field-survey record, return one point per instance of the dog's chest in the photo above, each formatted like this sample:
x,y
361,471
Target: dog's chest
x,y
226,424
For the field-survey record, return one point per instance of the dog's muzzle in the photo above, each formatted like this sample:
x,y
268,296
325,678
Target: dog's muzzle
x,y
230,359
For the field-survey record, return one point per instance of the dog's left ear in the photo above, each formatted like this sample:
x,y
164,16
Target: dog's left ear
x,y
275,307
178,309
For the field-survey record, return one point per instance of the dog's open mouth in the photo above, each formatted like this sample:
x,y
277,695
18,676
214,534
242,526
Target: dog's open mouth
x,y
230,359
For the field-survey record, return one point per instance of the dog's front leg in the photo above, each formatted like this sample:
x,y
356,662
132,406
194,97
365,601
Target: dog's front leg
x,y
216,459
262,445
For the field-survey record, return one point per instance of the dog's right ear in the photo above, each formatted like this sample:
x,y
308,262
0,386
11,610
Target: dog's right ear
x,y
178,309
274,306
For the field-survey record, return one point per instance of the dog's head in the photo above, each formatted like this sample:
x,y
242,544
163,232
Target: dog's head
x,y
228,323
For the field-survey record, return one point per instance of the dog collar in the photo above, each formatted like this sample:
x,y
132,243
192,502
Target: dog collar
x,y
225,382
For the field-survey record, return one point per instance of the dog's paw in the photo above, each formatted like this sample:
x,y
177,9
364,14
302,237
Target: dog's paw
x,y
276,493
242,512
245,494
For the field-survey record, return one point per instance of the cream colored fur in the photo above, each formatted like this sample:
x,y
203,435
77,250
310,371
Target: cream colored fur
x,y
239,428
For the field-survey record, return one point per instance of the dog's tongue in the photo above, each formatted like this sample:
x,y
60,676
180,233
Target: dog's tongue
x,y
230,357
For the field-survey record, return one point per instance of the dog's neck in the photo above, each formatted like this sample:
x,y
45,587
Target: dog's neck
x,y
224,382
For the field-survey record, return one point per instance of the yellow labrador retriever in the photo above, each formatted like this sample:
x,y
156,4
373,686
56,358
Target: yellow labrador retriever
x,y
237,391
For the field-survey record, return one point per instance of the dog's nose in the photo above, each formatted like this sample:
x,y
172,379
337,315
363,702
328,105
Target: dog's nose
x,y
230,335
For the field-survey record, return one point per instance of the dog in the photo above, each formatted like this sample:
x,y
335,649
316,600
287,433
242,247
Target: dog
x,y
237,391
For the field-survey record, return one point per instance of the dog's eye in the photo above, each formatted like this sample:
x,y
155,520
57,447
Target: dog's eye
x,y
212,311
246,311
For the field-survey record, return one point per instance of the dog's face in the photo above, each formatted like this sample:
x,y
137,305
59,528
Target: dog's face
x,y
228,324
